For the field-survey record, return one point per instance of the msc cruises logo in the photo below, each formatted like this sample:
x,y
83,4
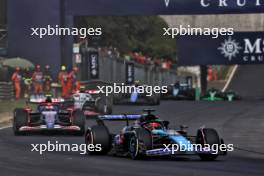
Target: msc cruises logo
x,y
248,49
229,48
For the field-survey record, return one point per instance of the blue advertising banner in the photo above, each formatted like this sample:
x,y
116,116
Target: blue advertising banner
x,y
241,48
56,50
130,73
24,15
93,59
158,7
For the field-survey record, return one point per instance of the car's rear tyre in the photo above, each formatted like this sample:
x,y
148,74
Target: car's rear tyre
x,y
157,100
211,137
154,100
139,142
20,119
98,135
191,94
104,105
79,120
117,98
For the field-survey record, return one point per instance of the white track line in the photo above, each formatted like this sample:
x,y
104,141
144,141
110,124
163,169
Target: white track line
x,y
230,78
5,127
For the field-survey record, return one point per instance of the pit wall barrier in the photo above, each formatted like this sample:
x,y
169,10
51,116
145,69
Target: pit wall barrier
x,y
113,70
6,91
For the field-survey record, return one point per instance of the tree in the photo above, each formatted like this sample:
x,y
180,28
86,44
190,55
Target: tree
x,y
133,33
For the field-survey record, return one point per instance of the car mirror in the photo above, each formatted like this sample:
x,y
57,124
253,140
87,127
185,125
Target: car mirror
x,y
183,127
166,123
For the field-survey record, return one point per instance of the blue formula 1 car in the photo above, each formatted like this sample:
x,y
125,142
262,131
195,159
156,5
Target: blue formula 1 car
x,y
151,136
136,98
179,91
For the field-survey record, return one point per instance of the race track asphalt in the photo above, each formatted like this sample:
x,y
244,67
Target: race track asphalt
x,y
239,123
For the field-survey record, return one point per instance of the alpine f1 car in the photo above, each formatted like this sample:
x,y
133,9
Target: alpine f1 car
x,y
151,136
179,91
216,95
136,98
49,115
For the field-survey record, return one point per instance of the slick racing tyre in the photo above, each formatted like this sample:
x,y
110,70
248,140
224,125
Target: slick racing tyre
x,y
104,105
98,135
20,119
154,100
79,120
211,137
117,98
191,94
139,142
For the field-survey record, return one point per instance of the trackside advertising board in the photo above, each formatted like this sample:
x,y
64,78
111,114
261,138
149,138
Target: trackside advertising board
x,y
93,65
130,72
24,14
157,7
241,48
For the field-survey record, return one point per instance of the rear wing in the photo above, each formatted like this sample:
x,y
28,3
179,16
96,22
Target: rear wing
x,y
119,117
43,99
92,91
127,118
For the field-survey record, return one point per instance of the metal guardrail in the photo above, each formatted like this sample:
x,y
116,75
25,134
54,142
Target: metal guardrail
x,y
113,70
3,38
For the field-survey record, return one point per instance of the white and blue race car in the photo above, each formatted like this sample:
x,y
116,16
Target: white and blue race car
x,y
151,136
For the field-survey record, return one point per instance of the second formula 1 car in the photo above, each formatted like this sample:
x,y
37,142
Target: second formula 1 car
x,y
49,115
179,91
151,136
216,95
92,103
136,98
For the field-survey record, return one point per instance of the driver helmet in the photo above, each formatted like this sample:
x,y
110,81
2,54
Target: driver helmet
x,y
63,68
177,84
154,126
48,98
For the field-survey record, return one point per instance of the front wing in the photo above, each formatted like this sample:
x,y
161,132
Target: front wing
x,y
45,128
172,152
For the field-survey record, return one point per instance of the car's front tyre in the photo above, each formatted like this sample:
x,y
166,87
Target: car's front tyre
x,y
211,137
20,119
98,135
139,142
79,120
